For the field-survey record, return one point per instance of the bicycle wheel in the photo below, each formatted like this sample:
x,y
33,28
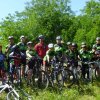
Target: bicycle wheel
x,y
97,72
12,96
59,79
42,80
68,78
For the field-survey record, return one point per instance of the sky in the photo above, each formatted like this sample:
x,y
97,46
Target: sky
x,y
10,6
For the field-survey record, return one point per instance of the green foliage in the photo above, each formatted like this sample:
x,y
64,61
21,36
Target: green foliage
x,y
52,18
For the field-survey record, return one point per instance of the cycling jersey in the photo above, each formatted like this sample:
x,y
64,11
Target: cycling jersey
x,y
49,55
72,55
59,49
2,58
30,53
22,47
85,56
41,49
16,58
97,46
9,48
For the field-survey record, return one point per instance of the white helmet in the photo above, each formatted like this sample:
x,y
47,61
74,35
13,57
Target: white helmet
x,y
50,45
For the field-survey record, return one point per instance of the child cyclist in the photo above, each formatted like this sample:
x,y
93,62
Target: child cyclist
x,y
31,56
48,57
2,66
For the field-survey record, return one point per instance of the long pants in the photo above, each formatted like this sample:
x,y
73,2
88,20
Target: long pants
x,y
85,70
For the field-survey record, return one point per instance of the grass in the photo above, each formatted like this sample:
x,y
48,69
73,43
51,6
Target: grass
x,y
84,92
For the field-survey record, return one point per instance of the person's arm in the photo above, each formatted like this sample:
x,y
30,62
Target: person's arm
x,y
7,50
28,54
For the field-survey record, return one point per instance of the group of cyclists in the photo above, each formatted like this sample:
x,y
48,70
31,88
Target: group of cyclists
x,y
25,54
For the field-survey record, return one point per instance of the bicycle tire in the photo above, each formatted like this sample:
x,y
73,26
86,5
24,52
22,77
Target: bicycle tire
x,y
96,73
40,81
12,96
60,80
69,78
43,80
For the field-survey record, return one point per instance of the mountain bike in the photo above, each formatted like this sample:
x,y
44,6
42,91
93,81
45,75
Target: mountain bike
x,y
39,77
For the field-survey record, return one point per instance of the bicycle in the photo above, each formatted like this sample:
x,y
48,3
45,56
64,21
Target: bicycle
x,y
15,70
90,70
39,77
97,69
55,74
13,93
75,70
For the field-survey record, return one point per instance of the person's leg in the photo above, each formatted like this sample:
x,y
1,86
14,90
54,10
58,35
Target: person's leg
x,y
83,71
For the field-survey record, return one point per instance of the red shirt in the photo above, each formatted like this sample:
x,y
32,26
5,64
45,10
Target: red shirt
x,y
41,49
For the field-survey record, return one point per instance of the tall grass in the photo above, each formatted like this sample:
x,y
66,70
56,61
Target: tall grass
x,y
83,92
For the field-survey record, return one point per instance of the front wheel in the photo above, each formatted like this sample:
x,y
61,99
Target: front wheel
x,y
60,80
68,78
97,73
42,80
12,96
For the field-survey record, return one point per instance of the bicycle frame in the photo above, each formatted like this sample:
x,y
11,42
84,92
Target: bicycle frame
x,y
6,86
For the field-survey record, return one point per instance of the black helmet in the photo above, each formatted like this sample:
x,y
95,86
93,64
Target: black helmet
x,y
83,43
41,37
68,43
29,42
74,45
10,37
15,48
98,39
58,38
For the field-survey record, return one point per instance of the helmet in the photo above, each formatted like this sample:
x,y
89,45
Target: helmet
x,y
50,45
98,39
41,37
58,38
93,47
29,42
22,36
83,43
74,45
83,46
15,48
68,43
10,37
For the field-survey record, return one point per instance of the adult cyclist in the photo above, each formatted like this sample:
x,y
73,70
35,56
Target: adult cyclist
x,y
15,57
9,50
59,49
41,47
23,47
96,53
31,56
